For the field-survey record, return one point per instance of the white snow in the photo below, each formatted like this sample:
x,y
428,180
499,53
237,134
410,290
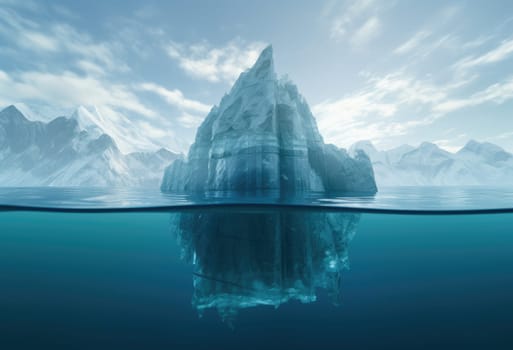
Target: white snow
x,y
428,165
71,152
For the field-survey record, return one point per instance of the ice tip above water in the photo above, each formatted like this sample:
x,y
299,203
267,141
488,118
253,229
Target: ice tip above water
x,y
264,65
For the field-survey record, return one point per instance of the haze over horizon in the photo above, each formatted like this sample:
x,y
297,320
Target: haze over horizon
x,y
369,70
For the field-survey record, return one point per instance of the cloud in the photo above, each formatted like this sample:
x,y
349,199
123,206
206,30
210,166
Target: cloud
x,y
499,53
175,98
114,108
28,5
496,93
69,90
356,21
454,144
384,107
56,38
434,34
368,31
215,64
38,41
190,121
60,68
375,111
343,23
412,43
90,68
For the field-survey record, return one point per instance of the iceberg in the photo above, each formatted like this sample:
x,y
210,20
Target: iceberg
x,y
263,137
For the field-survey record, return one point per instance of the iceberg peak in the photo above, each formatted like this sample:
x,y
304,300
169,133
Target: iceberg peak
x,y
264,65
263,137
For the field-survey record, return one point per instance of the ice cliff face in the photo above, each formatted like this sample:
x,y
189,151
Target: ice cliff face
x,y
62,153
262,136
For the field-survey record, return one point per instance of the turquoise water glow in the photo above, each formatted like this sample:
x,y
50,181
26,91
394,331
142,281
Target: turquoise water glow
x,y
259,277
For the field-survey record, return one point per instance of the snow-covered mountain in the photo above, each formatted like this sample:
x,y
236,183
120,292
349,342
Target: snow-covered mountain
x,y
263,136
429,165
70,151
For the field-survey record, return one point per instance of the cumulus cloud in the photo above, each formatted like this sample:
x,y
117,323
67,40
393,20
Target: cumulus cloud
x,y
215,64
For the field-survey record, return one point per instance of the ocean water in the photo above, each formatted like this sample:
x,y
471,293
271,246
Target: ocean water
x,y
407,269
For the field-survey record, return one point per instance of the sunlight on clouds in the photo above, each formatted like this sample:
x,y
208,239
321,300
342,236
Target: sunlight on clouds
x,y
176,98
500,53
453,144
371,113
497,93
215,64
436,64
69,89
190,121
38,41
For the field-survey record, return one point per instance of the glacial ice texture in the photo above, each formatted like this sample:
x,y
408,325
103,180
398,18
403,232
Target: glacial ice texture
x,y
263,137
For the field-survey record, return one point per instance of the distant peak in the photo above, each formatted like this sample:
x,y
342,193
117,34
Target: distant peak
x,y
481,147
471,144
364,143
11,109
12,112
428,145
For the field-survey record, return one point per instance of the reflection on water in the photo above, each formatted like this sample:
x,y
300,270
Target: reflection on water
x,y
246,259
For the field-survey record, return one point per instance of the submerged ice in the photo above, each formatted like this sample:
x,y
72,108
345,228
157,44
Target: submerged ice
x,y
248,259
261,137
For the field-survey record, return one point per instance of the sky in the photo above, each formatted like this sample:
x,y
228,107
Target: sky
x,y
392,72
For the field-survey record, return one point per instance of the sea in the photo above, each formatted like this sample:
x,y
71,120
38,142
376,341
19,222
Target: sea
x,y
408,268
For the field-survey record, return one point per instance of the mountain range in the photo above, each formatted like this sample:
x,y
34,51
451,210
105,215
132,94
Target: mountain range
x,y
477,163
71,151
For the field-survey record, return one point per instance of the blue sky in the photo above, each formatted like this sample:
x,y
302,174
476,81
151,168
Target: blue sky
x,y
392,72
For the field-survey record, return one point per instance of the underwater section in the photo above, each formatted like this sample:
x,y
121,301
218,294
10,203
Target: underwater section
x,y
247,259
119,280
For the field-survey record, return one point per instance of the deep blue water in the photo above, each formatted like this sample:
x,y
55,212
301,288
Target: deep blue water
x,y
259,277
